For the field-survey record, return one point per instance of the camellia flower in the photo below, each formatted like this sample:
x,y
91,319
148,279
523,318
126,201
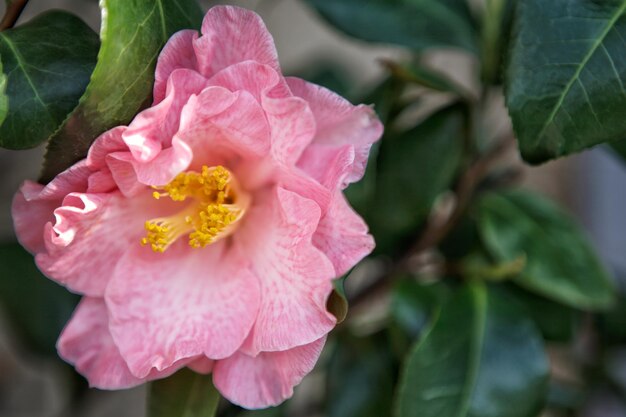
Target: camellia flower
x,y
207,233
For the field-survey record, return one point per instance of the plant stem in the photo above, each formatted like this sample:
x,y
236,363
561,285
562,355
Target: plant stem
x,y
12,13
435,233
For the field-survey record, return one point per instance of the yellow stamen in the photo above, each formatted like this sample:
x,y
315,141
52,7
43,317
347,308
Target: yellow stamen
x,y
217,206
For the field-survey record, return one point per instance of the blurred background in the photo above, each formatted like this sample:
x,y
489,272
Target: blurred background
x,y
34,382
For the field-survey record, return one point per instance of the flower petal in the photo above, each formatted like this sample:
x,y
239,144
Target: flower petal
x,y
169,306
343,236
89,234
153,129
267,379
87,344
295,276
232,35
34,204
290,119
340,123
202,365
218,121
178,52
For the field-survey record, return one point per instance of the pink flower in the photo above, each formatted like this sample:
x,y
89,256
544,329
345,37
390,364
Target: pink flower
x,y
207,233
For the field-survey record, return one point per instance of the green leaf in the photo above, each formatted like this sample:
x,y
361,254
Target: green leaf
x,y
413,304
412,169
337,303
619,148
416,24
360,378
481,358
184,394
560,263
565,82
612,323
132,34
556,321
46,64
37,308
496,35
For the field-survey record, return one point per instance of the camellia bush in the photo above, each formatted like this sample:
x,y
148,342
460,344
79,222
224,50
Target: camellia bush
x,y
205,212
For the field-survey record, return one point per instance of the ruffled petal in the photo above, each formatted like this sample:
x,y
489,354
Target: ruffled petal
x,y
180,304
340,123
178,52
110,142
343,235
89,235
219,122
232,35
267,379
202,365
34,204
290,118
295,276
87,344
153,129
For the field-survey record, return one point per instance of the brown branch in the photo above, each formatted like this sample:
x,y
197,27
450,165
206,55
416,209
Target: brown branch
x,y
12,13
436,232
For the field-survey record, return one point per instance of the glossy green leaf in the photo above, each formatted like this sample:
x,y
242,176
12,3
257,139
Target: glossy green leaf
x,y
360,378
566,76
184,394
413,304
557,322
482,358
46,64
416,24
560,263
133,33
36,308
412,169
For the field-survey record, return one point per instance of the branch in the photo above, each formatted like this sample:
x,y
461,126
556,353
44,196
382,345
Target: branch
x,y
12,13
436,232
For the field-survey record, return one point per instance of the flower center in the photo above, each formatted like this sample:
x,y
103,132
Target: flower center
x,y
216,207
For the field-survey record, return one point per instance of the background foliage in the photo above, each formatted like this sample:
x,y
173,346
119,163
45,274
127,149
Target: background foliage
x,y
475,283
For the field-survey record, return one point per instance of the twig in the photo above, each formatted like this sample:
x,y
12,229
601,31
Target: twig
x,y
435,232
12,13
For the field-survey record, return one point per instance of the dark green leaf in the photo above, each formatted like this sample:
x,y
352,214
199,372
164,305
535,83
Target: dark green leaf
x,y
566,76
184,394
133,33
337,303
560,263
413,304
612,323
46,64
496,36
481,358
416,24
556,322
36,307
619,148
413,168
360,378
